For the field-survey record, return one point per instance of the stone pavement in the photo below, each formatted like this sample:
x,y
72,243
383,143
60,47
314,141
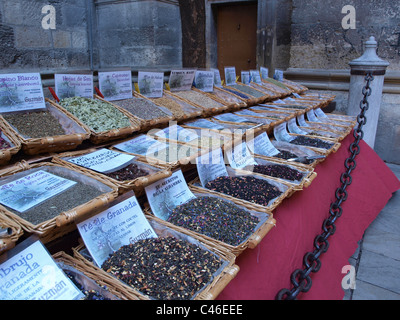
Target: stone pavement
x,y
377,259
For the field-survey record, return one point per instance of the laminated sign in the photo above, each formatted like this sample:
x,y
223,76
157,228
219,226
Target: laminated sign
x,y
211,166
141,145
181,80
262,145
74,85
281,134
230,76
204,80
21,92
116,85
240,156
151,84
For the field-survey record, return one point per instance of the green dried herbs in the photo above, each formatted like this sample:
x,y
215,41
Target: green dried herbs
x,y
163,268
216,218
96,114
142,108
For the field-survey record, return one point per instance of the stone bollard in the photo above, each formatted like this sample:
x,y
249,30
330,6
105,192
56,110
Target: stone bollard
x,y
368,62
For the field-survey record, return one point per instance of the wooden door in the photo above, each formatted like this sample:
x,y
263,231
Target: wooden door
x,y
237,36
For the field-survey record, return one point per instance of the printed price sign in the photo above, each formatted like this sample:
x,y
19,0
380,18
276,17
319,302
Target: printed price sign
x,y
262,145
217,77
281,134
120,225
204,80
74,85
293,128
264,72
142,145
211,166
20,92
240,156
278,75
151,84
245,77
255,76
230,76
181,80
116,85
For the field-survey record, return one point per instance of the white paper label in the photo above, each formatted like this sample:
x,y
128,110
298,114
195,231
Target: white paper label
x,y
240,156
168,193
245,77
217,77
181,80
262,145
142,145
116,85
21,91
302,121
311,116
33,189
120,225
151,84
204,80
177,133
255,76
281,134
211,166
103,160
264,72
320,114
293,128
278,75
74,85
32,274
230,75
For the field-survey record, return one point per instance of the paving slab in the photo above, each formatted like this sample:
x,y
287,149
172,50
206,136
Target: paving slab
x,y
367,291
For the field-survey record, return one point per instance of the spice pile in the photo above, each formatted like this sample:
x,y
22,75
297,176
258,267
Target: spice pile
x,y
215,218
198,98
163,268
172,106
279,171
130,172
226,96
142,108
247,90
96,114
312,142
89,294
247,188
3,143
283,154
35,124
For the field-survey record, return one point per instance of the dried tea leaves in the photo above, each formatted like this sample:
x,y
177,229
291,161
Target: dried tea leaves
x,y
279,171
198,98
163,268
130,172
216,218
312,142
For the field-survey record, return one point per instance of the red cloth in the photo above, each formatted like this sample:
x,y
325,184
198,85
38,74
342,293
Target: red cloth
x,y
266,269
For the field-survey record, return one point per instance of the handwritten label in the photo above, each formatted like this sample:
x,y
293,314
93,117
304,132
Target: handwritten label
x,y
168,193
293,128
103,160
141,145
281,134
151,84
264,72
240,156
204,80
181,80
21,91
177,133
32,274
122,224
26,192
211,166
230,75
217,77
262,145
116,85
74,85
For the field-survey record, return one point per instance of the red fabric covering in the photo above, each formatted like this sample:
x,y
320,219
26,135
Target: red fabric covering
x,y
266,269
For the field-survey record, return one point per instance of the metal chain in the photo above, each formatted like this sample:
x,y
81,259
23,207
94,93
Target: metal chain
x,y
300,278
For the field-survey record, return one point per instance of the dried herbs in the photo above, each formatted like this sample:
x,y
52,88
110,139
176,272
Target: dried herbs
x,y
96,114
247,188
171,105
238,93
163,268
312,142
130,172
35,124
279,171
3,143
198,98
248,90
142,108
213,217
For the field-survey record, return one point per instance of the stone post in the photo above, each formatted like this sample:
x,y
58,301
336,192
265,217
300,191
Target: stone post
x,y
368,62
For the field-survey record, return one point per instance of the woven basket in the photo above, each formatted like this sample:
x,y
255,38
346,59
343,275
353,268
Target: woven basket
x,y
333,149
8,134
109,135
271,91
209,292
8,242
253,100
267,222
218,95
295,86
137,185
76,133
61,224
87,276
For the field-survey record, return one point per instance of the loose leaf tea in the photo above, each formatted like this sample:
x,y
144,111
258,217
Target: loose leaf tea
x,y
142,108
90,294
96,114
130,172
283,154
213,217
279,171
35,124
163,268
3,143
247,188
312,142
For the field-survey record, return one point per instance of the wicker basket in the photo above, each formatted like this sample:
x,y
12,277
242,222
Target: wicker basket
x,y
295,86
86,276
8,242
326,152
209,292
262,96
61,224
267,222
232,102
109,135
8,134
137,184
76,133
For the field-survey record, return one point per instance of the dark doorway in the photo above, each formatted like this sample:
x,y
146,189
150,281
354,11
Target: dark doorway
x,y
237,36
